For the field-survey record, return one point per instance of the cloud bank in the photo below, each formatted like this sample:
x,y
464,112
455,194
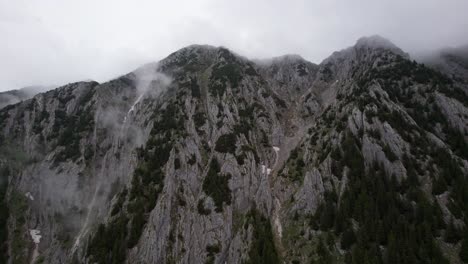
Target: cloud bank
x,y
54,41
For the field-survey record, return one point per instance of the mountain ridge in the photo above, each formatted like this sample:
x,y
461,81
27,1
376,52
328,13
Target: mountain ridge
x,y
209,157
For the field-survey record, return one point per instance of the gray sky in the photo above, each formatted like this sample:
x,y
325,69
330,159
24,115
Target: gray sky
x,y
46,42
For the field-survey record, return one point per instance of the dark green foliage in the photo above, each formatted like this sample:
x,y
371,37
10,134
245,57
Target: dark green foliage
x,y
262,248
73,127
457,142
108,244
280,102
456,93
296,166
216,186
402,69
452,233
464,249
347,239
324,256
199,118
389,153
439,186
4,214
192,160
327,211
384,211
251,71
195,88
211,251
176,163
375,134
352,156
88,153
453,176
119,203
326,73
224,72
398,122
40,117
187,61
4,113
148,179
111,241
337,163
201,208
243,154
301,70
226,143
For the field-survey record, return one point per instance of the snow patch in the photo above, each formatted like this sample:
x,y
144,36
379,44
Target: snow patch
x,y
35,235
29,196
266,170
276,149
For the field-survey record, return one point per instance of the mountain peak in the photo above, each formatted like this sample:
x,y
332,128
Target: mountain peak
x,y
375,41
378,42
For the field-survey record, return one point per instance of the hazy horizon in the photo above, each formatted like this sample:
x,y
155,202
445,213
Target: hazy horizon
x,y
53,42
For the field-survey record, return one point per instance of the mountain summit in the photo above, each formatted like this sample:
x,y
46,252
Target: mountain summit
x,y
209,157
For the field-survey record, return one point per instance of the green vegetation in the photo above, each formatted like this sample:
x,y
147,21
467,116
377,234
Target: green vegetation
x,y
301,69
295,165
13,207
41,116
199,119
4,214
201,208
216,185
111,240
73,127
402,69
388,213
464,249
195,88
262,248
17,208
226,143
211,251
4,113
389,153
224,72
108,242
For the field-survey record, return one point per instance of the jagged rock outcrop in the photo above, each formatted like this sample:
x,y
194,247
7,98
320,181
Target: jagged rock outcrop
x,y
208,157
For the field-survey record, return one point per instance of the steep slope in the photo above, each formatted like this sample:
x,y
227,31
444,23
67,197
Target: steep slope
x,y
386,161
15,96
451,61
207,157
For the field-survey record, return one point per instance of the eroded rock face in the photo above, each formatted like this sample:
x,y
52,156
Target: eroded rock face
x,y
208,157
15,96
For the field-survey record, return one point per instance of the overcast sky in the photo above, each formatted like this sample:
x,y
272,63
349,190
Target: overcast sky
x,y
45,42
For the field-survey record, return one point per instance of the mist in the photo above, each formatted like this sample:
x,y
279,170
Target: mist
x,y
55,42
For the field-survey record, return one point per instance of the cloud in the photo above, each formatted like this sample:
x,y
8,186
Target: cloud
x,y
54,41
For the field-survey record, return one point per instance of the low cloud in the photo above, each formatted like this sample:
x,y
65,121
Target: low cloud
x,y
53,42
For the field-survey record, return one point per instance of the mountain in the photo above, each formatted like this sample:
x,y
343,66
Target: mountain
x,y
209,157
451,61
15,96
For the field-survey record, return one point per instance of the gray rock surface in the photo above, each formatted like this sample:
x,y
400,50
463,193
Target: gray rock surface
x,y
83,150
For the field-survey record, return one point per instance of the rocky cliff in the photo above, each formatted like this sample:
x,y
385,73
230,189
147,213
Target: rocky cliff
x,y
209,157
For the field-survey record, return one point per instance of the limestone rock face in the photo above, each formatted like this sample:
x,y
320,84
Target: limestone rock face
x,y
209,157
